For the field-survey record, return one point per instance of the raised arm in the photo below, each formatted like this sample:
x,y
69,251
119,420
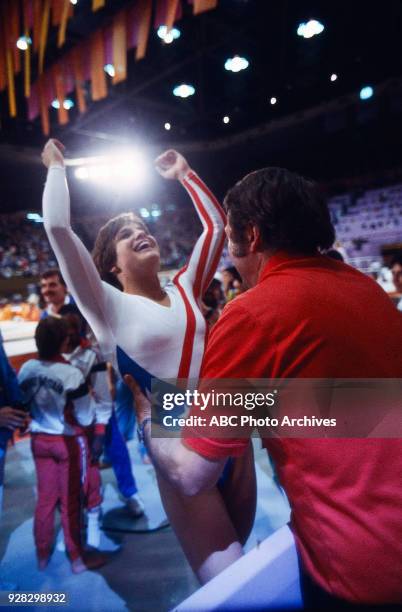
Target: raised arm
x,y
76,265
207,251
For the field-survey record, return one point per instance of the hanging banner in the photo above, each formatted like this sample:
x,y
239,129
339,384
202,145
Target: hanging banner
x,y
37,20
43,34
14,32
119,48
97,4
167,12
59,86
79,79
98,76
44,109
144,11
200,6
65,13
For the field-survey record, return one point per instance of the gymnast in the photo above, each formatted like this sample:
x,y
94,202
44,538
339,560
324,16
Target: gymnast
x,y
152,332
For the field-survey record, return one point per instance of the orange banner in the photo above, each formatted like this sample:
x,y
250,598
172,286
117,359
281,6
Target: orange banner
x,y
44,110
57,9
119,47
144,24
3,63
98,76
65,13
58,82
171,12
37,20
79,80
97,4
12,104
27,53
14,33
43,34
200,6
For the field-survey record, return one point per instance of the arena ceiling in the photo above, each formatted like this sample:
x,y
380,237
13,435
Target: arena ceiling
x,y
317,126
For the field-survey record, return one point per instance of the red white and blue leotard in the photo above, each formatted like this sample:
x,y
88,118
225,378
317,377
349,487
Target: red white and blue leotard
x,y
142,337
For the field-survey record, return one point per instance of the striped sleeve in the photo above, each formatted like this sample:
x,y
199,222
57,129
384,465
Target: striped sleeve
x,y
207,251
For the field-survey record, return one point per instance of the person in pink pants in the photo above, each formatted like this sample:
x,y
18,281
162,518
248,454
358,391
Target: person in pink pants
x,y
56,394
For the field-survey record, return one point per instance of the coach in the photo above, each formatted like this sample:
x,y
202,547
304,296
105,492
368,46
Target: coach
x,y
309,316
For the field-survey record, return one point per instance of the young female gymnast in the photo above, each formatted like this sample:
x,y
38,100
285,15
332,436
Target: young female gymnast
x,y
150,331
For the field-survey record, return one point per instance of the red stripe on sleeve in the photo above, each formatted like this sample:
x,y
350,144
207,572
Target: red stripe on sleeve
x,y
185,362
208,193
207,242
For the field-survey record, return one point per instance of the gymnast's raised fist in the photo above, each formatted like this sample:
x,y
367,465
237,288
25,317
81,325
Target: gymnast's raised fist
x,y
52,153
172,165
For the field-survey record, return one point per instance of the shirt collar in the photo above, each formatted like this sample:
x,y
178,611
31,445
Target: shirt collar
x,y
283,257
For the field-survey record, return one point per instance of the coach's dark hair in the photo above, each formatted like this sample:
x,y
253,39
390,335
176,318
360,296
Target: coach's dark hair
x,y
53,272
104,251
49,336
288,209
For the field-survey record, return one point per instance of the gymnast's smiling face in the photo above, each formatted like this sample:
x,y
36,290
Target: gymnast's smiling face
x,y
137,252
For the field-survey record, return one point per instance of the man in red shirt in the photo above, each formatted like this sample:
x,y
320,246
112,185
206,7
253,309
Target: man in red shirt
x,y
305,316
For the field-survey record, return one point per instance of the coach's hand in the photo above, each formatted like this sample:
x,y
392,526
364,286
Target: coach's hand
x,y
172,165
142,405
53,153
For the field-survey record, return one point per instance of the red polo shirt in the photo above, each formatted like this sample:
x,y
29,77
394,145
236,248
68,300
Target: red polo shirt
x,y
314,317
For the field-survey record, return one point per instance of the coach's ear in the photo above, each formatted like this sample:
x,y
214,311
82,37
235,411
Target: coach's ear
x,y
115,270
254,238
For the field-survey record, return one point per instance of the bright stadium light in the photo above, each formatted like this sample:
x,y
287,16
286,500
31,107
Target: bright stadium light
x,y
144,212
73,1
109,69
236,63
35,217
273,100
168,37
67,104
310,29
333,77
183,91
23,43
167,126
366,92
155,211
81,173
226,119
123,169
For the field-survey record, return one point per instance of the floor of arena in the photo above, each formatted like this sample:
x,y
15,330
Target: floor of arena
x,y
145,571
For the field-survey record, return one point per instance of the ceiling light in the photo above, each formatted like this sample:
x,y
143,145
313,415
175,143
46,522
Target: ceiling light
x,y
109,69
81,173
168,37
366,92
236,63
35,217
144,212
23,43
273,100
183,90
167,126
67,104
334,77
310,29
226,119
73,1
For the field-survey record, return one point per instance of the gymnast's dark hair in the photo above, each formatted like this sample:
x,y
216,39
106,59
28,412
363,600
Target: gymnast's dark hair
x,y
104,251
289,210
